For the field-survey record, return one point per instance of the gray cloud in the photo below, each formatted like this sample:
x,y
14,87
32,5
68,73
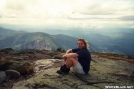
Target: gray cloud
x,y
90,18
127,18
108,8
0,16
97,13
97,17
59,11
10,17
96,9
78,18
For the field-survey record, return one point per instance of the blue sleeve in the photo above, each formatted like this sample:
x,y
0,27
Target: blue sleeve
x,y
75,50
81,53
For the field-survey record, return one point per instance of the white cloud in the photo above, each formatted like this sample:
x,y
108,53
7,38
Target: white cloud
x,y
76,13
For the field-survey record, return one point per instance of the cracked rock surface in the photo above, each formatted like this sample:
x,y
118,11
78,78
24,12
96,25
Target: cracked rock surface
x,y
103,72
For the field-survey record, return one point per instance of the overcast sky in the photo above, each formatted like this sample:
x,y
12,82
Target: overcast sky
x,y
69,13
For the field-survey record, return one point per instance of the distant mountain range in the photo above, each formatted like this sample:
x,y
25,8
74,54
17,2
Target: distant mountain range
x,y
107,40
35,40
100,41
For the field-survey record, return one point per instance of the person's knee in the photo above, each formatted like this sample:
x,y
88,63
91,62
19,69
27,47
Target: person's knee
x,y
73,60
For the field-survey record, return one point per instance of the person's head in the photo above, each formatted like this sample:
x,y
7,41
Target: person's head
x,y
82,43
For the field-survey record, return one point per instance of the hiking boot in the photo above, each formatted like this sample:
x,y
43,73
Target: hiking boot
x,y
63,70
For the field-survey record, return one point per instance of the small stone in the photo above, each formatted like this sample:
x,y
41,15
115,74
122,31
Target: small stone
x,y
12,73
20,58
57,57
59,76
3,77
3,85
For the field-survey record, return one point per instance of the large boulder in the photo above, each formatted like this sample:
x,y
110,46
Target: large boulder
x,y
3,77
23,67
12,73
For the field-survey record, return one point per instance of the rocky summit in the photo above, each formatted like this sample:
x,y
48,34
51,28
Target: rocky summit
x,y
104,72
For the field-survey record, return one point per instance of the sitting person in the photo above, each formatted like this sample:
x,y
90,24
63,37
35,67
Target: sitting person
x,y
78,58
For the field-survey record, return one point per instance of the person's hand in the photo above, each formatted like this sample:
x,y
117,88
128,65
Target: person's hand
x,y
64,57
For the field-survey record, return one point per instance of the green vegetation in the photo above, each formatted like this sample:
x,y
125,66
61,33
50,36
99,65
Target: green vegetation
x,y
127,58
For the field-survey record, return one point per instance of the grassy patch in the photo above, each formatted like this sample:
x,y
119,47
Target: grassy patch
x,y
127,58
